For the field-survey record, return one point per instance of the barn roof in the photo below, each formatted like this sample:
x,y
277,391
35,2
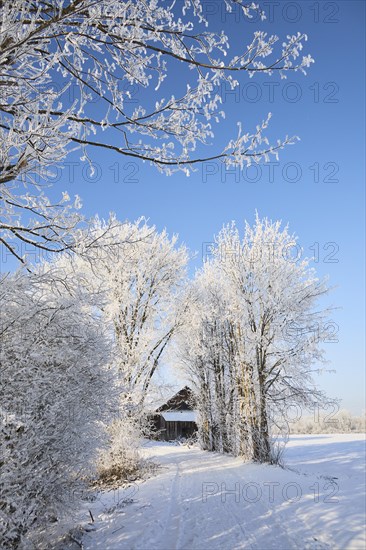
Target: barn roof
x,y
180,401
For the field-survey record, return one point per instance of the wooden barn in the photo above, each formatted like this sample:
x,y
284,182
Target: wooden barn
x,y
176,418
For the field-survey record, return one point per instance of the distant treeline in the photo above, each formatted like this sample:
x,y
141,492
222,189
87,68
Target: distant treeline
x,y
342,422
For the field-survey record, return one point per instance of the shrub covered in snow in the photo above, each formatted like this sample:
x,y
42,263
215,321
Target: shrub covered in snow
x,y
54,388
120,460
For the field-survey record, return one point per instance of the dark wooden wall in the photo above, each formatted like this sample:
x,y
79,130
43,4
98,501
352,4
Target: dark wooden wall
x,y
169,430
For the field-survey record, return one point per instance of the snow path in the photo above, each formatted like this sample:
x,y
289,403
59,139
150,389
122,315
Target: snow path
x,y
204,501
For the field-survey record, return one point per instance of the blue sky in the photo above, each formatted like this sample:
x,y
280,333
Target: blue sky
x,y
317,185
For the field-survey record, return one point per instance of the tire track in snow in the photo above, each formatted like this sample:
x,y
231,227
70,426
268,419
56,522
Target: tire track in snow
x,y
193,525
173,519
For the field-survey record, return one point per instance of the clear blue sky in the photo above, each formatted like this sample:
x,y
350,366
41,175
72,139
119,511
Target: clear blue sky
x,y
317,186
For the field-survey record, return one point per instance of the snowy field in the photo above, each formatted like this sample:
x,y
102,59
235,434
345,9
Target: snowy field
x,y
203,500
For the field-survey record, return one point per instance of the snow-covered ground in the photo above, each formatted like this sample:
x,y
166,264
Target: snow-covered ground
x,y
201,500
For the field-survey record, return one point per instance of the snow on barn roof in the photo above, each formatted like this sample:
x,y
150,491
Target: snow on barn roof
x,y
179,416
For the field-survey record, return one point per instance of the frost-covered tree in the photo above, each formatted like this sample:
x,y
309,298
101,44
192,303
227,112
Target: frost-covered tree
x,y
65,71
55,393
135,276
259,330
207,354
141,274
